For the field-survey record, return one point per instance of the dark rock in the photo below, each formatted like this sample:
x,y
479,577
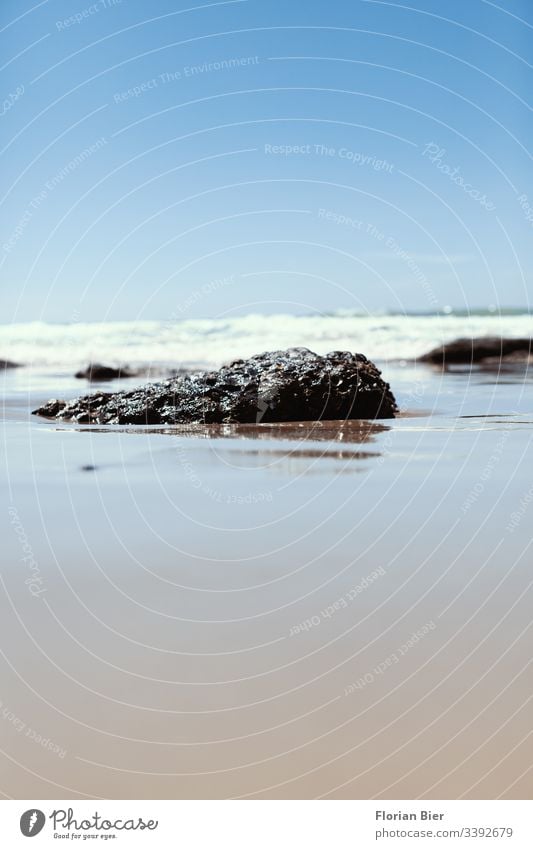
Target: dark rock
x,y
97,372
4,364
54,408
283,386
480,350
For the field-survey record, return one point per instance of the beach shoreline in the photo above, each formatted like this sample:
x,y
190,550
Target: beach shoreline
x,y
335,610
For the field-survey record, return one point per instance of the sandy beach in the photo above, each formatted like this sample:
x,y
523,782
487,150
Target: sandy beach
x,y
329,610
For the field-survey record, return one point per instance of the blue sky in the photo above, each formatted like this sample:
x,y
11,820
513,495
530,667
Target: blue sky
x,y
351,155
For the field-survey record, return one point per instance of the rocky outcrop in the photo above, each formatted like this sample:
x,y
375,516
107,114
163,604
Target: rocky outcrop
x,y
5,364
281,386
483,350
97,372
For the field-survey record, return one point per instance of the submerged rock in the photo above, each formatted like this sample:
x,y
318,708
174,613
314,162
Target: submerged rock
x,y
96,372
281,386
483,350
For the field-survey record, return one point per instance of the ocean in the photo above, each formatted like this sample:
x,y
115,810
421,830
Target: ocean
x,y
211,342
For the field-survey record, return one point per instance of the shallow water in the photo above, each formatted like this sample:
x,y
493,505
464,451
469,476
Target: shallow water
x,y
229,612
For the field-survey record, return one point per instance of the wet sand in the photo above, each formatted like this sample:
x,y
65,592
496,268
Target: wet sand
x,y
338,611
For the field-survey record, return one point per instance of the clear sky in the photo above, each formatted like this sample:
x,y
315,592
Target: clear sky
x,y
320,155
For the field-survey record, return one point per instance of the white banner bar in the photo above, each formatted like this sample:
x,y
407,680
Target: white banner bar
x,y
268,824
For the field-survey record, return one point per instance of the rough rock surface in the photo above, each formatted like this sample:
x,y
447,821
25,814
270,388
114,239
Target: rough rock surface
x,y
485,349
281,386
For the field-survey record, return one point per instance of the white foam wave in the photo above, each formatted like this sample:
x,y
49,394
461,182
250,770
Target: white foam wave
x,y
211,342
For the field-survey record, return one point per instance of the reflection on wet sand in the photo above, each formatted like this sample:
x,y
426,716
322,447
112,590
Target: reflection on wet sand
x,y
313,454
352,431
